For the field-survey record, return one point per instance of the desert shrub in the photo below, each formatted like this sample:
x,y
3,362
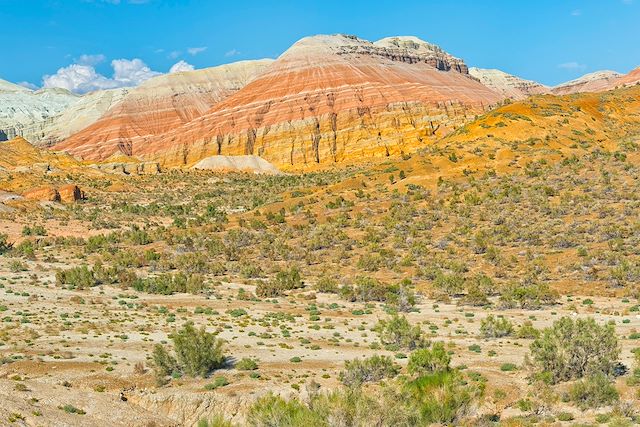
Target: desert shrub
x,y
271,411
444,397
285,280
36,230
76,278
215,421
17,266
593,392
169,284
197,353
401,297
450,284
247,364
573,349
396,333
495,327
365,289
372,369
527,331
427,361
527,297
327,284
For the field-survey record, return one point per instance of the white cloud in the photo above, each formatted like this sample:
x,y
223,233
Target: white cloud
x,y
83,78
91,59
196,50
232,52
576,12
573,65
181,66
131,72
174,54
28,85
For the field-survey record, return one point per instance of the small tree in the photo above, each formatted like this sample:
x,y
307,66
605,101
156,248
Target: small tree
x,y
429,360
574,349
197,353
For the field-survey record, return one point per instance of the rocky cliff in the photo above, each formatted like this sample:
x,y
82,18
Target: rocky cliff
x,y
592,82
157,106
508,85
329,99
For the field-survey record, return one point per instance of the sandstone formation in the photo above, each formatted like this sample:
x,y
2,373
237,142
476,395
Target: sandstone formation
x,y
330,99
252,164
129,168
19,155
508,85
70,193
84,112
629,79
159,105
67,194
43,194
593,82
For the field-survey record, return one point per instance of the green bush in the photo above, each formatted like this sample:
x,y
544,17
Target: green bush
x,y
396,333
492,327
573,349
527,331
593,392
444,398
285,280
197,353
215,421
247,364
272,411
372,369
426,361
76,278
527,297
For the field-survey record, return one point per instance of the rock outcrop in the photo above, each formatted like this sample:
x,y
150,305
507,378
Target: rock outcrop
x,y
42,194
18,155
129,168
330,99
592,82
252,164
69,193
508,85
159,105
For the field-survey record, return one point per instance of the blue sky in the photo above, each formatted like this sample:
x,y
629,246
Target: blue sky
x,y
550,41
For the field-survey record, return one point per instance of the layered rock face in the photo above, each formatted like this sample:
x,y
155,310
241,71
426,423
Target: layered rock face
x,y
629,79
593,82
331,99
84,112
48,116
69,193
508,85
157,106
27,113
252,164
